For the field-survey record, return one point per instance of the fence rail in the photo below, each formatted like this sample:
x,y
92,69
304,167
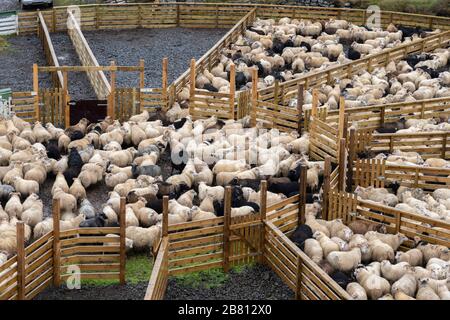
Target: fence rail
x,y
51,259
172,14
98,79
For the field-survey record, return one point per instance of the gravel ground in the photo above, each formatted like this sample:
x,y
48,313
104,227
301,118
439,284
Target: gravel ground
x,y
126,47
79,85
255,283
93,292
16,69
6,5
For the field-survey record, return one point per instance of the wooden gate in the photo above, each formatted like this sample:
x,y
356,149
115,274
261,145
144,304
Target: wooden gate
x,y
52,106
93,110
127,103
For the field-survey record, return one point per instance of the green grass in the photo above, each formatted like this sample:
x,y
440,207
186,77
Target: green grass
x,y
138,269
3,43
208,279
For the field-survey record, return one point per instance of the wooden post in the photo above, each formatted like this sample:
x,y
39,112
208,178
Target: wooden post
x,y
254,95
54,20
300,99
276,92
142,73
351,158
226,229
341,117
315,103
326,187
165,94
232,89
444,145
20,237
382,115
341,162
165,221
112,95
66,101
302,195
122,226
398,221
192,87
36,91
299,275
56,243
263,212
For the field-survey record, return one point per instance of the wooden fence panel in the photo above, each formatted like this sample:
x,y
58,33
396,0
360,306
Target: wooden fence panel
x,y
324,140
158,280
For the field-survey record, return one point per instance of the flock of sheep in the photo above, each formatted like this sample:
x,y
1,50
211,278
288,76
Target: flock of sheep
x,y
366,261
290,48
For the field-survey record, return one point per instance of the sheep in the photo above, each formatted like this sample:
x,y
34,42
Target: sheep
x,y
345,261
313,250
143,238
197,214
242,211
394,241
374,285
407,284
86,209
45,226
33,212
326,243
425,292
356,291
111,215
381,251
217,192
77,190
14,207
338,229
25,187
433,251
413,256
363,226
393,272
97,221
300,234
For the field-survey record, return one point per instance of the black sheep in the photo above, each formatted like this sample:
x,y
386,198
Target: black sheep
x,y
5,192
256,30
433,73
294,175
76,135
97,221
341,279
53,149
392,127
278,46
352,54
210,87
306,45
237,196
284,188
300,234
74,158
261,71
218,208
240,79
248,183
179,123
155,204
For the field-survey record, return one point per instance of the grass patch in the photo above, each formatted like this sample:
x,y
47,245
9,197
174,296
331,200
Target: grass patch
x,y
4,44
138,269
208,279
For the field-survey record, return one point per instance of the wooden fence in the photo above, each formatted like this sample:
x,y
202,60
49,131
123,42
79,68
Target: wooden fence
x,y
58,255
49,51
427,144
373,117
347,207
97,78
378,173
315,79
212,15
